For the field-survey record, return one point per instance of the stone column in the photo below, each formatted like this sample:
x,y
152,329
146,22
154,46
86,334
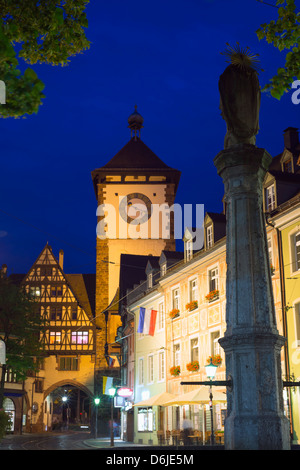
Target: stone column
x,y
255,418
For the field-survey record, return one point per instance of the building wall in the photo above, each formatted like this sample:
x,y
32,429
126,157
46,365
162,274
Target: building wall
x,y
146,346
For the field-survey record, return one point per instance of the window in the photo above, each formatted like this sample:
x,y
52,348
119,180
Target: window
x,y
188,249
80,337
146,420
68,363
297,251
150,280
175,299
150,369
55,313
161,365
10,376
161,316
163,269
287,166
46,271
35,291
56,291
215,347
39,385
141,371
209,237
213,279
74,312
270,198
194,349
55,337
193,288
176,354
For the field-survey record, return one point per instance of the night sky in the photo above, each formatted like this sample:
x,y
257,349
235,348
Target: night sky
x,y
163,56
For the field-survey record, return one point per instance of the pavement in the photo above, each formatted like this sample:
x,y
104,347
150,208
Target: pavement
x,y
104,443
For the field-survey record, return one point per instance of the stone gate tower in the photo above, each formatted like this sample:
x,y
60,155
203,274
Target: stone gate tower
x,y
128,189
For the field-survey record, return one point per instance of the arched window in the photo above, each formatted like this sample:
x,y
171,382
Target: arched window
x,y
9,408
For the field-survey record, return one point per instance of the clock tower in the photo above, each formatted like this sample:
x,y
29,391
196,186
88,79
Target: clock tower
x,y
131,191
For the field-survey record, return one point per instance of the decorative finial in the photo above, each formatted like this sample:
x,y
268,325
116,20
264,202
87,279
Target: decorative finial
x,y
241,58
135,122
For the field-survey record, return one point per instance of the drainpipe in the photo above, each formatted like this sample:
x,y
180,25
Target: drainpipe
x,y
284,319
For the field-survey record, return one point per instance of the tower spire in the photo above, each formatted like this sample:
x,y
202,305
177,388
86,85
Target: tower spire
x,y
135,122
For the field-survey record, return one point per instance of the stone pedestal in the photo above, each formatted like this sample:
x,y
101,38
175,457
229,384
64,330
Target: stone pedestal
x,y
252,345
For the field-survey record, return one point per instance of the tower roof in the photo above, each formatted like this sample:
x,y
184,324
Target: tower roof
x,y
135,154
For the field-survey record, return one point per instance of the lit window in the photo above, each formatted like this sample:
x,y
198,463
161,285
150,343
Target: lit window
x,y
297,251
189,249
150,280
194,350
161,316
163,269
175,299
141,371
176,354
213,276
80,337
150,369
215,346
297,322
209,237
270,198
161,365
146,419
193,290
55,337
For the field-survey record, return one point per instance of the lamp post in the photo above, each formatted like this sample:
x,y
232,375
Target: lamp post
x,y
96,401
112,392
211,372
65,400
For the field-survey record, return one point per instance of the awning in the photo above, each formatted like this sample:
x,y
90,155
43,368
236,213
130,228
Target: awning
x,y
156,400
198,396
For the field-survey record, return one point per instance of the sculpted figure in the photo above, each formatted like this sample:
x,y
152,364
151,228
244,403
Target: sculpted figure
x,y
240,97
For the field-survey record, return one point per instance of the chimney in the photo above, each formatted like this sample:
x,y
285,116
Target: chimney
x,y
291,138
61,259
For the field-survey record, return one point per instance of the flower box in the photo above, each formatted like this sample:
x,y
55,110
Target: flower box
x,y
175,371
192,305
193,366
216,360
213,295
174,313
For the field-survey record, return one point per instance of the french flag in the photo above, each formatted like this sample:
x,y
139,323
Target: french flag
x,y
147,321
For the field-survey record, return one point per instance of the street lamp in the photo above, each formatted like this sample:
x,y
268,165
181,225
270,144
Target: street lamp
x,y
96,401
65,400
112,392
211,370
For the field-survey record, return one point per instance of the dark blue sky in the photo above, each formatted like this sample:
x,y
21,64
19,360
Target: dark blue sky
x,y
163,56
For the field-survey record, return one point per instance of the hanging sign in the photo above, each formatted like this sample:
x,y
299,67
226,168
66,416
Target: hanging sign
x,y
124,392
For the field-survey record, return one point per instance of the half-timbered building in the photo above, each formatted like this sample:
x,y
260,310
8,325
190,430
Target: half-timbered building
x,y
66,301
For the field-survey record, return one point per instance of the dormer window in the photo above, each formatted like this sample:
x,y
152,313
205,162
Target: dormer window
x,y
163,269
270,198
287,166
209,236
188,249
150,280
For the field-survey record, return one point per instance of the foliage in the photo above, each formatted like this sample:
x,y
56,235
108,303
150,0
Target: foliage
x,y
283,34
174,313
4,423
193,366
192,305
175,370
39,32
216,359
21,329
213,294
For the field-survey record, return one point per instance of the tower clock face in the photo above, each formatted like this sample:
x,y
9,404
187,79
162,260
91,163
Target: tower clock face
x,y
135,208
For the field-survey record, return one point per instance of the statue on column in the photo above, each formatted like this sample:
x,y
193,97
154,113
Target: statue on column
x,y
240,97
